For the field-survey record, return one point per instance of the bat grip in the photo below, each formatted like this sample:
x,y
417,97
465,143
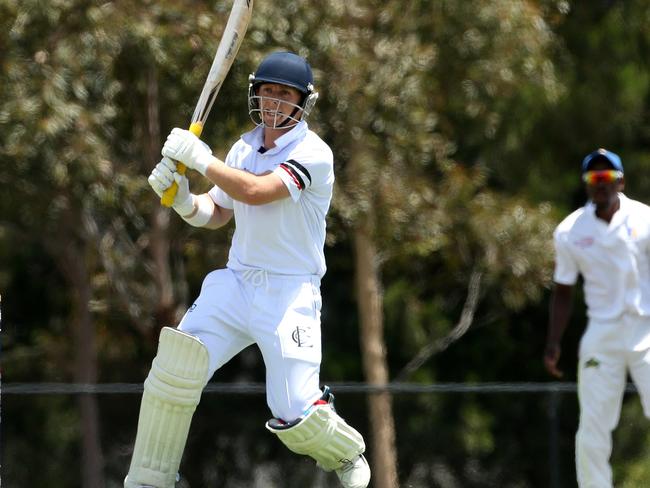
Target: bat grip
x,y
169,194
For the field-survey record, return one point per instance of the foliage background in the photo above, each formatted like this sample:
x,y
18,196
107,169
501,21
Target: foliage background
x,y
458,127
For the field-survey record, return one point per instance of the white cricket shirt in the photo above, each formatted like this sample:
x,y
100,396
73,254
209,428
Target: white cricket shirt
x,y
613,259
286,236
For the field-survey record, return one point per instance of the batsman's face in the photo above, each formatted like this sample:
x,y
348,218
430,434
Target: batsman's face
x,y
278,102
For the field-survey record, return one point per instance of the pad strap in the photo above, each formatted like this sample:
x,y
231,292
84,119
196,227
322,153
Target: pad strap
x,y
172,391
323,435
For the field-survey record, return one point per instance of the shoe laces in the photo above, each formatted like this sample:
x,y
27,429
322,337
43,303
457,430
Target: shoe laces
x,y
349,465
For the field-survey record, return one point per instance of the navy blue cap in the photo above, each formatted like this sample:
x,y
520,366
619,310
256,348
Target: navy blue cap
x,y
612,158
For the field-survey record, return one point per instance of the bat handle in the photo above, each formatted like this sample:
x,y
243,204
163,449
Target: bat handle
x,y
169,194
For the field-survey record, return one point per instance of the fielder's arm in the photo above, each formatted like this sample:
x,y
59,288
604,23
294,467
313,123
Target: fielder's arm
x,y
560,311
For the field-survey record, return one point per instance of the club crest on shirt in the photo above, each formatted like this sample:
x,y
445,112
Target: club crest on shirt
x,y
592,363
631,231
584,242
302,336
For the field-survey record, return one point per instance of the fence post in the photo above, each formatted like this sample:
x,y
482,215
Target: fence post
x,y
554,438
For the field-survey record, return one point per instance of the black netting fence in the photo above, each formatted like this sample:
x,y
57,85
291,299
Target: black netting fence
x,y
447,435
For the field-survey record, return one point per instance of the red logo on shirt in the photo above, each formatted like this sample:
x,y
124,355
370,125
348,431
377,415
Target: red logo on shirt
x,y
585,242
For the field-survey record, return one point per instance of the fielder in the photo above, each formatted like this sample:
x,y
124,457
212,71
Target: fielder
x,y
277,183
608,243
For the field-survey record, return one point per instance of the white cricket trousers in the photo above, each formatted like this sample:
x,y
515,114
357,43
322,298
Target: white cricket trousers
x,y
608,351
279,313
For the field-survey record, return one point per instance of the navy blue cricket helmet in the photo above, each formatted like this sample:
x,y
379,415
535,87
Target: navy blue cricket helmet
x,y
288,69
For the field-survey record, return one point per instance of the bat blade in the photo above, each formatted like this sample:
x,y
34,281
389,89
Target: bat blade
x,y
231,40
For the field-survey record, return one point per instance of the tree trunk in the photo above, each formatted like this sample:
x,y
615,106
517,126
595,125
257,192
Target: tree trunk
x,y
159,243
369,294
71,259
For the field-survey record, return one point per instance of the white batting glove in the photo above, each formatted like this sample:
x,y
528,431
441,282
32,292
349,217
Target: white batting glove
x,y
185,147
162,177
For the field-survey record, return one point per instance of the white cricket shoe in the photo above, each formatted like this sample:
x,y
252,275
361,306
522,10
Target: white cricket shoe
x,y
355,474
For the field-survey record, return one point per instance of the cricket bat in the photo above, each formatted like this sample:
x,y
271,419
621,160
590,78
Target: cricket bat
x,y
232,37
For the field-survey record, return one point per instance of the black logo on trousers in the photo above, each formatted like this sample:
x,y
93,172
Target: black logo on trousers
x,y
302,336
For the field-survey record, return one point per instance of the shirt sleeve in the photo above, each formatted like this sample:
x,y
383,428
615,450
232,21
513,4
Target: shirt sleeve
x,y
566,269
220,197
303,172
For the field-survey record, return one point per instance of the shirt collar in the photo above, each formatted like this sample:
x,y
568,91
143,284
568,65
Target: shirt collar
x,y
619,216
255,137
623,206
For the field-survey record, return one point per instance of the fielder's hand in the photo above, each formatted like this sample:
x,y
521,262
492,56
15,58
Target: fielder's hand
x,y
185,147
162,177
551,358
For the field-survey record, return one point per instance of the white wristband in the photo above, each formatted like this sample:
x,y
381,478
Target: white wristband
x,y
202,163
204,210
186,206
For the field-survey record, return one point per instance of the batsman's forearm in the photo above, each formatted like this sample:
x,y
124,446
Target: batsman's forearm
x,y
220,216
238,184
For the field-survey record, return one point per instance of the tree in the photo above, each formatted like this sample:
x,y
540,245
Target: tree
x,y
399,83
74,189
452,123
60,100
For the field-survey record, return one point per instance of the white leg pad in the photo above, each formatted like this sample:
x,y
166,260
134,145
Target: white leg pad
x,y
323,435
172,391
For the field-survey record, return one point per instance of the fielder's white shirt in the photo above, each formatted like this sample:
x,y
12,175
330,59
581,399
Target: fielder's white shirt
x,y
614,258
286,236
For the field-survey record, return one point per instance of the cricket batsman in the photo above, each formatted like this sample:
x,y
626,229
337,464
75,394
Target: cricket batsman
x,y
276,182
